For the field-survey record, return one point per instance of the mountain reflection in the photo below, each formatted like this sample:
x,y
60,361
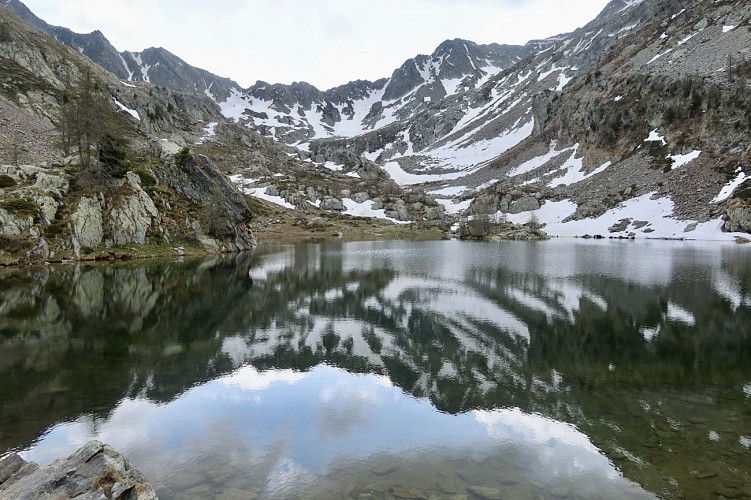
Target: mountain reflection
x,y
643,347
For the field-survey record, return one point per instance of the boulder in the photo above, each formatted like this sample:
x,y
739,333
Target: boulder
x,y
361,197
95,471
88,230
330,203
12,225
524,204
738,217
166,148
201,181
133,216
435,213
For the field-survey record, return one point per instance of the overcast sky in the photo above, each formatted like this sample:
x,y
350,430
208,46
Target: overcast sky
x,y
323,42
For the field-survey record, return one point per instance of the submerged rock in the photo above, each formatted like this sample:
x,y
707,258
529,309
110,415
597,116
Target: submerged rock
x,y
95,471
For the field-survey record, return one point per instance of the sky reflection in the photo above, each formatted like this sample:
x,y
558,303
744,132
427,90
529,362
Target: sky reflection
x,y
303,423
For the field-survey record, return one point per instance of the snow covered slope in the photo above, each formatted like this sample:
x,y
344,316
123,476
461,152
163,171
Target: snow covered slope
x,y
622,117
649,102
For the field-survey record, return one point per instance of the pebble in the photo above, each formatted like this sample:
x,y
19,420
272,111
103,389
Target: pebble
x,y
401,492
486,493
698,420
237,494
183,481
705,475
383,470
729,492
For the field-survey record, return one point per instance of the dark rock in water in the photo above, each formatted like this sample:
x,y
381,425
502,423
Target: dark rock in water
x,y
95,471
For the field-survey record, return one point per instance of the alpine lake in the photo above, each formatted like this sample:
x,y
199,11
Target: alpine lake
x,y
394,370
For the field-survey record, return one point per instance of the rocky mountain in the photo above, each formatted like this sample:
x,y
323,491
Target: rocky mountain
x,y
154,65
170,151
299,112
143,189
635,125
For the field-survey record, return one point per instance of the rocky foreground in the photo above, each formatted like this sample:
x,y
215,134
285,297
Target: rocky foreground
x,y
95,471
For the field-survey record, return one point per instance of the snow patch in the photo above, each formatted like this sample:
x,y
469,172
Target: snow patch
x,y
131,112
365,209
143,67
655,136
658,212
627,4
453,206
403,178
333,166
680,160
536,162
208,131
574,170
127,69
235,105
448,191
563,81
451,85
725,29
649,333
678,14
462,155
659,56
258,192
689,37
731,186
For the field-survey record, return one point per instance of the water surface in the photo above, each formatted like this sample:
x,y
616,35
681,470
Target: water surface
x,y
563,369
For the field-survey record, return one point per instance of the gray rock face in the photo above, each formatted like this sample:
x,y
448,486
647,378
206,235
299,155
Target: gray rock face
x,y
116,220
166,69
202,182
96,471
87,222
134,215
524,205
738,217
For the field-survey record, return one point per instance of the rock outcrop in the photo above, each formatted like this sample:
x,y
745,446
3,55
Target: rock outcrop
x,y
738,217
96,471
49,221
226,224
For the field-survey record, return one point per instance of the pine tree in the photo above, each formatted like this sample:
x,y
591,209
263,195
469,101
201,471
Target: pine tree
x,y
89,128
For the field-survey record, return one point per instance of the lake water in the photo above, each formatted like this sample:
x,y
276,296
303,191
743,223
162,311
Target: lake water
x,y
560,369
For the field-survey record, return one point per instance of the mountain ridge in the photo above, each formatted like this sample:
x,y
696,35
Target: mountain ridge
x,y
534,130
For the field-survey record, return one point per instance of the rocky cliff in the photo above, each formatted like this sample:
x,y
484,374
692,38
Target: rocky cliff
x,y
153,191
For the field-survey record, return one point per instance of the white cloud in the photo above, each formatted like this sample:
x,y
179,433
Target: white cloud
x,y
326,42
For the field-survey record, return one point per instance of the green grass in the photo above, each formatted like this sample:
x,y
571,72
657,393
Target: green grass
x,y
20,206
7,181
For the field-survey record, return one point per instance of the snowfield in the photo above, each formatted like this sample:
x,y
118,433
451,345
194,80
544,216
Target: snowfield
x,y
657,213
